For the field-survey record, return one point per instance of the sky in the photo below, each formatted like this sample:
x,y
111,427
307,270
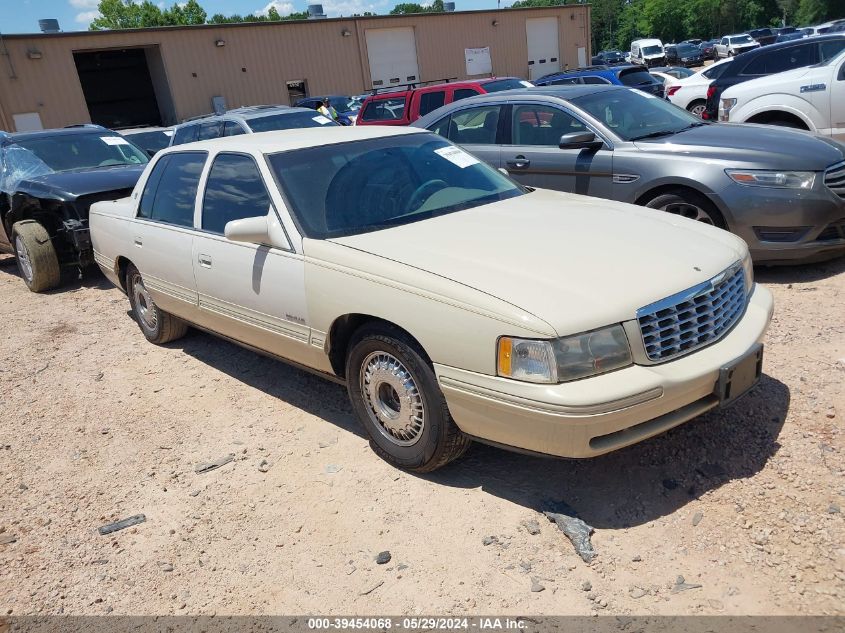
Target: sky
x,y
21,16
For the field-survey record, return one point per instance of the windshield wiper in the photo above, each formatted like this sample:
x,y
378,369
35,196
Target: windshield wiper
x,y
655,134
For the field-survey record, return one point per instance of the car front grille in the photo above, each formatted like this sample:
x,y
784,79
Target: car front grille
x,y
834,178
693,318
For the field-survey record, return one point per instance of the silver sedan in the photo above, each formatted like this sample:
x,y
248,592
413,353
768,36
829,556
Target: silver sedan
x,y
782,191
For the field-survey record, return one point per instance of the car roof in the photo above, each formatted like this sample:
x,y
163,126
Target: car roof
x,y
567,93
56,132
779,45
286,140
459,84
592,70
247,113
142,130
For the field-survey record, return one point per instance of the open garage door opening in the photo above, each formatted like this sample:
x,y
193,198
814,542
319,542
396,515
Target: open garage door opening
x,y
125,87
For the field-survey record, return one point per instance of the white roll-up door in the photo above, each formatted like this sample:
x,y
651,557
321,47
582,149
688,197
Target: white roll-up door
x,y
393,57
543,46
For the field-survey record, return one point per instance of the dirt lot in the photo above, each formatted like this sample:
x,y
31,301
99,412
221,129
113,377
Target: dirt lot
x,y
99,425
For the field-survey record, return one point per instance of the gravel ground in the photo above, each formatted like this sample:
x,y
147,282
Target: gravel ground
x,y
98,425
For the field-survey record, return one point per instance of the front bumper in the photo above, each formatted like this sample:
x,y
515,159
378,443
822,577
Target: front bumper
x,y
597,415
785,225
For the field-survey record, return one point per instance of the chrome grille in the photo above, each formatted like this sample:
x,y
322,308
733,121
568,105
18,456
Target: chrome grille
x,y
834,178
693,318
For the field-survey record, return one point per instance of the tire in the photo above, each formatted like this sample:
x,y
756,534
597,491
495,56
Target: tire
x,y
383,363
697,107
689,204
37,261
158,326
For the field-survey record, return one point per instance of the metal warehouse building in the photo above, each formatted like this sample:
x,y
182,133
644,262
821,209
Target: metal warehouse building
x,y
165,75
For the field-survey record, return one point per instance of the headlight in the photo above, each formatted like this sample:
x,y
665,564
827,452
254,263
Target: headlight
x,y
563,359
748,269
777,179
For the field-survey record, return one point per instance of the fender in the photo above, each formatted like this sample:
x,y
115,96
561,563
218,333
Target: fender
x,y
779,102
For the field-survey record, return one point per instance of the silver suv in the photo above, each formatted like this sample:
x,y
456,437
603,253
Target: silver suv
x,y
247,120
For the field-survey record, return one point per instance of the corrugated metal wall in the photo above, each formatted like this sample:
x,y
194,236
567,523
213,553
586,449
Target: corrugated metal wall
x,y
257,60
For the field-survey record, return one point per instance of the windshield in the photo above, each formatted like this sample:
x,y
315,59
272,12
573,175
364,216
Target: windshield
x,y
151,141
652,50
635,115
742,39
288,121
344,104
84,151
687,49
363,186
637,77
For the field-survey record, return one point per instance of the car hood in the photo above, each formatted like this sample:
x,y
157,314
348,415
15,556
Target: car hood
x,y
71,185
575,262
768,147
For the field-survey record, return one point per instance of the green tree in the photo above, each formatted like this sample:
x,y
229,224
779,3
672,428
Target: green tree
x,y
407,8
812,11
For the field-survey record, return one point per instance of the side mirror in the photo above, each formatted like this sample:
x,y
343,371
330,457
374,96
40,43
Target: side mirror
x,y
580,140
504,171
250,230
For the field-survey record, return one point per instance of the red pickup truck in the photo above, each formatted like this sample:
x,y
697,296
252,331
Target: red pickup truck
x,y
403,107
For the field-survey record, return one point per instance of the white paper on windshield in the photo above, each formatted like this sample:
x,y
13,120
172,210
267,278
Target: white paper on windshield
x,y
168,132
527,84
457,156
322,120
114,140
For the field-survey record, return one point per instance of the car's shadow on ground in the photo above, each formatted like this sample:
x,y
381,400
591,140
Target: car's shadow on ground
x,y
804,273
625,488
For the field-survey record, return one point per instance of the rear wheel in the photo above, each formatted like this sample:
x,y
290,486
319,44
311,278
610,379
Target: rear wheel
x,y
697,108
36,257
688,204
395,395
158,326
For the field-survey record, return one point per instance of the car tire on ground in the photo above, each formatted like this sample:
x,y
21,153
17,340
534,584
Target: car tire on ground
x,y
37,261
689,204
697,107
395,395
158,326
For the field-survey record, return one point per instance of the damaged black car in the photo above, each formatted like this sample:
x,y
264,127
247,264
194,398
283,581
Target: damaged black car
x,y
48,181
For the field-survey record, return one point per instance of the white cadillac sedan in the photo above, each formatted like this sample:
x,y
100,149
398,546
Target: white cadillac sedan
x,y
454,303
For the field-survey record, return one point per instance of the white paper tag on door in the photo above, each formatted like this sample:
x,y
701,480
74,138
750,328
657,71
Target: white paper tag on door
x,y
114,140
322,120
457,156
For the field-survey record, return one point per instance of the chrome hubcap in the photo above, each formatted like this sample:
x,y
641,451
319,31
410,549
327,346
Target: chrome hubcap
x,y
393,400
144,304
697,110
687,210
23,258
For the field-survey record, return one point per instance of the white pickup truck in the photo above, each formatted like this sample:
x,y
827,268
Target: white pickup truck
x,y
811,98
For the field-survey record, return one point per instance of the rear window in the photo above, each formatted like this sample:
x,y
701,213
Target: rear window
x,y
185,134
171,189
390,109
505,84
288,121
636,77
714,72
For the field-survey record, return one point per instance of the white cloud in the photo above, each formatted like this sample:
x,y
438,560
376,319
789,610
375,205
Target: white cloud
x,y
284,8
86,17
84,4
334,8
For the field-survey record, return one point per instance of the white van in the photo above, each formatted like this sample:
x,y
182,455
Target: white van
x,y
648,52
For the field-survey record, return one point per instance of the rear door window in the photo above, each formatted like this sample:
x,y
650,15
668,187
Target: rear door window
x,y
566,81
177,186
145,209
390,109
781,60
430,101
463,93
234,190
595,80
474,126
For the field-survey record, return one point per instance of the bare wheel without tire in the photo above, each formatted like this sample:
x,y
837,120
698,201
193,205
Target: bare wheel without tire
x,y
36,257
395,395
158,326
688,204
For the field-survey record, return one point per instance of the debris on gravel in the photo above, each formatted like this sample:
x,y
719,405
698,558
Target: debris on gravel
x,y
682,585
122,524
637,592
536,587
574,528
217,463
696,518
532,527
383,558
586,585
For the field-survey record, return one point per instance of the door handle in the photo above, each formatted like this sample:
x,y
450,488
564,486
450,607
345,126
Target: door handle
x,y
205,260
520,162
138,241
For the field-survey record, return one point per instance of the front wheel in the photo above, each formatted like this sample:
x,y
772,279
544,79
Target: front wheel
x,y
36,257
158,326
688,204
396,397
